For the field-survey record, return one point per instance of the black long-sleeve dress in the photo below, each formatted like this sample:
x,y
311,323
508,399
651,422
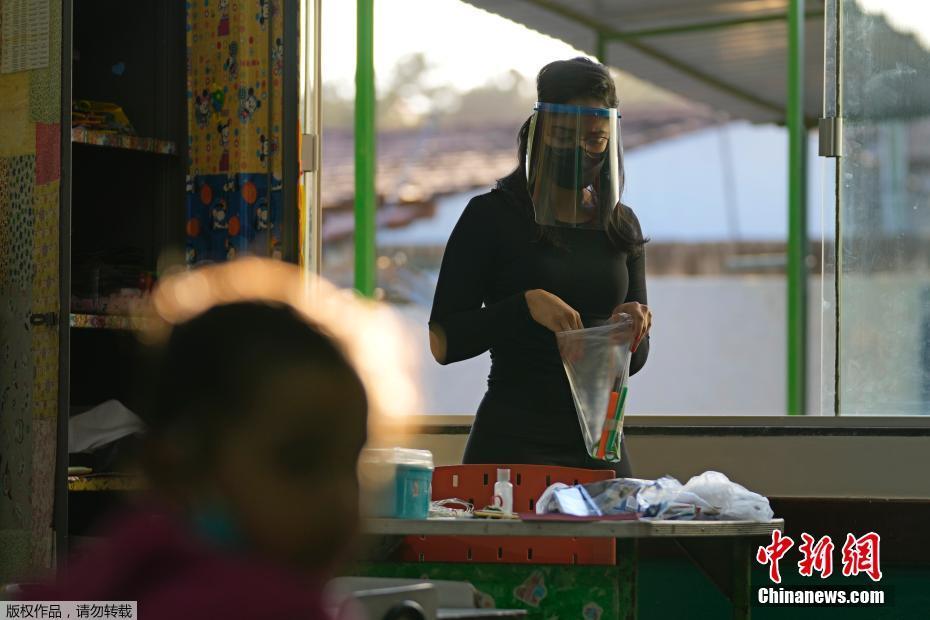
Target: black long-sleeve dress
x,y
493,257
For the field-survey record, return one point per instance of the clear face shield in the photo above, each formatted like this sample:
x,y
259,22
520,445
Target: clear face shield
x,y
572,165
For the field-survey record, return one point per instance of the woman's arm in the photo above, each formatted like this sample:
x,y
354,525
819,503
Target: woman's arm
x,y
636,292
460,325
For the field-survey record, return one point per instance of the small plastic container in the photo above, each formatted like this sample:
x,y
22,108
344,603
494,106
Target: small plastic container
x,y
398,481
503,491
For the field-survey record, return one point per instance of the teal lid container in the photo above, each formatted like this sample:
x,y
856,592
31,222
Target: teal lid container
x,y
397,482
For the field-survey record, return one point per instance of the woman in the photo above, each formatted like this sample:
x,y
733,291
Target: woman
x,y
549,249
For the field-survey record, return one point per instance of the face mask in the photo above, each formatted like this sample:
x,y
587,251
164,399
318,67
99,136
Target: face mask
x,y
573,164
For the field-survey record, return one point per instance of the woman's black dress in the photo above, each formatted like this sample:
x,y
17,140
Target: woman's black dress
x,y
493,257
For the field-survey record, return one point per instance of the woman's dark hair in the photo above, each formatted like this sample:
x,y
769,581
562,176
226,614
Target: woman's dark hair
x,y
560,82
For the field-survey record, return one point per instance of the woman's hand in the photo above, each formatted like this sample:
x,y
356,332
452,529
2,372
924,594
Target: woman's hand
x,y
551,312
642,320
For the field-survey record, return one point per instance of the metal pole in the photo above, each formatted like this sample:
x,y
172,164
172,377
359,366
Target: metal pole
x,y
317,250
797,216
601,48
60,508
365,195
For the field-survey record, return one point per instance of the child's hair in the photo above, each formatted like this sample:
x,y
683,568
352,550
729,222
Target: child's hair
x,y
214,366
214,335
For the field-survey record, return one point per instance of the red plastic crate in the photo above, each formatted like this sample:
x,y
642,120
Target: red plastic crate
x,y
475,483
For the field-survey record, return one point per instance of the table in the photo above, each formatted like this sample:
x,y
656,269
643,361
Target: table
x,y
479,614
721,549
106,482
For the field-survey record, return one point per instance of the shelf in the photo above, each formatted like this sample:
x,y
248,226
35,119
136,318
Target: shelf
x,y
106,482
82,135
105,321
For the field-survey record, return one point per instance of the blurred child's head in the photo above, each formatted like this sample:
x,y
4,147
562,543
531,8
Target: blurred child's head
x,y
257,416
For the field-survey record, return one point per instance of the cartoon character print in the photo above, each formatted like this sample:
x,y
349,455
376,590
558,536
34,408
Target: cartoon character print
x,y
484,600
223,130
190,256
202,109
533,590
277,57
231,66
219,215
231,252
265,11
262,215
266,147
248,104
592,611
222,29
229,185
189,184
6,480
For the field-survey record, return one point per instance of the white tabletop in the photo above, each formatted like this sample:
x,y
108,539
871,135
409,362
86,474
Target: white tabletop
x,y
571,529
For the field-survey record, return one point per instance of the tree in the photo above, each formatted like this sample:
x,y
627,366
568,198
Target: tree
x,y
505,100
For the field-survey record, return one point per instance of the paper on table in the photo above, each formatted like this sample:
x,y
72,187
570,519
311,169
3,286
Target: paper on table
x,y
576,501
101,425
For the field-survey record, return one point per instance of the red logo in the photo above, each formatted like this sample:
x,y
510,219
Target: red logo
x,y
773,553
860,555
817,557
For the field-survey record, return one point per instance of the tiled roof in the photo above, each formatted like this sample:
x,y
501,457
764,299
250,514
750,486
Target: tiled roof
x,y
418,164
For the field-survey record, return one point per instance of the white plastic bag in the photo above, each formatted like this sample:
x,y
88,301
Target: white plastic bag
x,y
547,502
734,501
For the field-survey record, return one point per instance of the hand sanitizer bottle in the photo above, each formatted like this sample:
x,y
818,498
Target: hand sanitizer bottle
x,y
503,491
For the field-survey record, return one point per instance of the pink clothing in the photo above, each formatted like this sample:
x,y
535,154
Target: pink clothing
x,y
157,560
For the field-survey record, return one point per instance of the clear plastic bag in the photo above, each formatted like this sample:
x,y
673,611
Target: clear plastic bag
x,y
597,361
734,501
710,496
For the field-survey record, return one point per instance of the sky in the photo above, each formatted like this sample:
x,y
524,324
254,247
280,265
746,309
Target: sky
x,y
912,16
447,30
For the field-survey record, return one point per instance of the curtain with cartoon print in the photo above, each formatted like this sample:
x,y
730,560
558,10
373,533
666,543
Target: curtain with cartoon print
x,y
235,67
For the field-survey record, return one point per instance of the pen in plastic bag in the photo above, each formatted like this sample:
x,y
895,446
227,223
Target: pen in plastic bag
x,y
616,430
609,418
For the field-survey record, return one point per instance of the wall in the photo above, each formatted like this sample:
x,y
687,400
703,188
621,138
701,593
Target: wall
x,y
781,462
722,338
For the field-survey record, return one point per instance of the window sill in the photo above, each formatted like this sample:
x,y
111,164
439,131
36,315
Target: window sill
x,y
721,426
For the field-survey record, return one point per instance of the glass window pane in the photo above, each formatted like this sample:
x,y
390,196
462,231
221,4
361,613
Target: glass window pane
x,y
884,220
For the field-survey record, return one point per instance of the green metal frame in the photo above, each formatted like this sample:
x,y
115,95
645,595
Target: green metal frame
x,y
797,216
632,39
708,26
365,154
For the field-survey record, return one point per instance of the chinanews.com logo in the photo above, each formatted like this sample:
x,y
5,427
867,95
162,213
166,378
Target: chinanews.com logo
x,y
859,555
